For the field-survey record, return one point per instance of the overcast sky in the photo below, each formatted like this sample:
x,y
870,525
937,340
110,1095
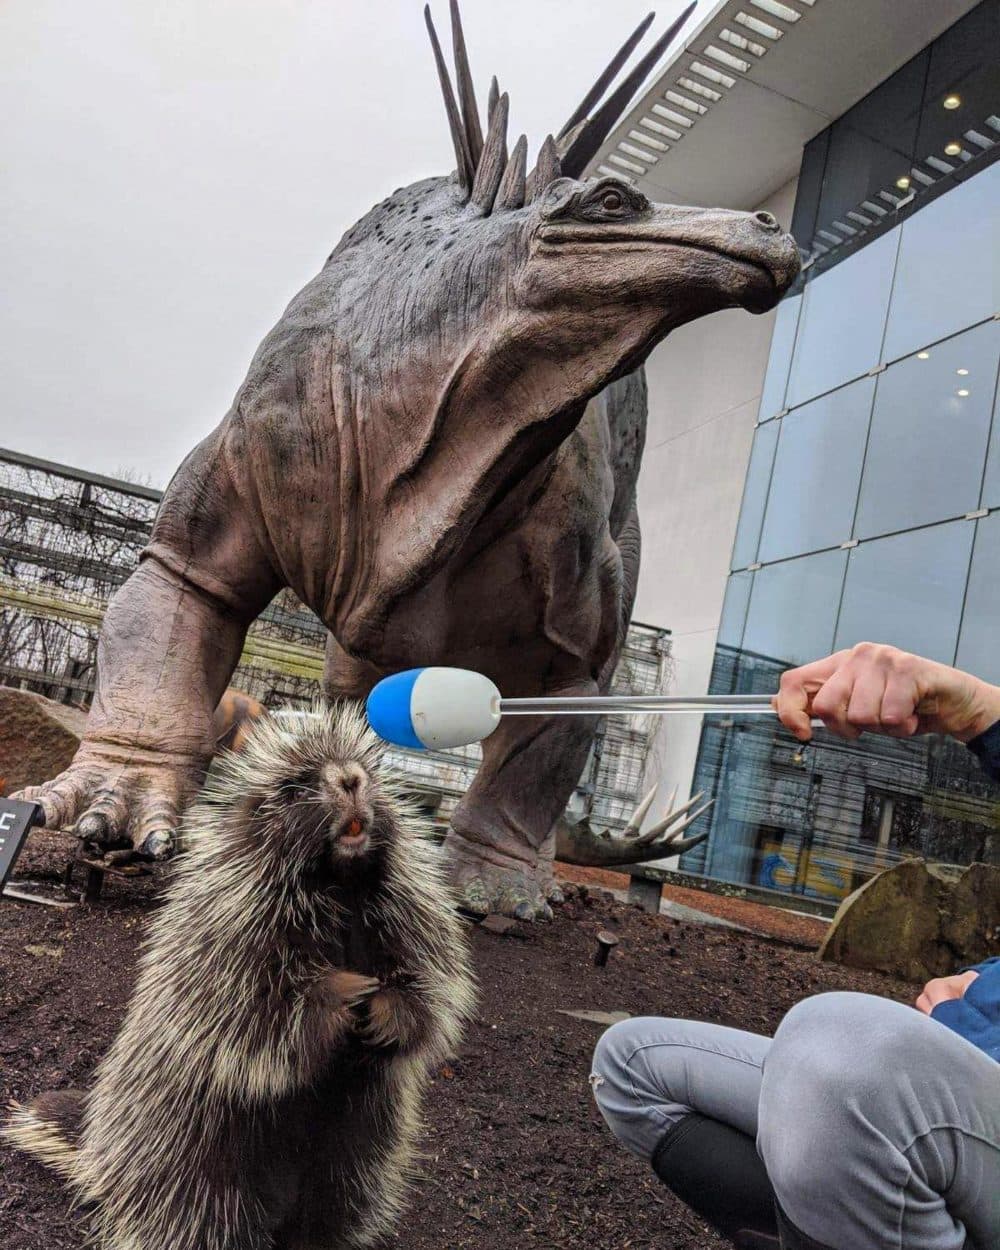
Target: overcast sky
x,y
173,172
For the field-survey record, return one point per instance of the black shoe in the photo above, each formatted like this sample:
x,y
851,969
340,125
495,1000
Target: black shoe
x,y
716,1171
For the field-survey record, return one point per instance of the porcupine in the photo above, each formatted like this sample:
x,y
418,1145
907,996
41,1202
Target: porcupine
x,y
304,976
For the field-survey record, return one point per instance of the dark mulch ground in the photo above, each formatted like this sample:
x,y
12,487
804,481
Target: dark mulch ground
x,y
517,1155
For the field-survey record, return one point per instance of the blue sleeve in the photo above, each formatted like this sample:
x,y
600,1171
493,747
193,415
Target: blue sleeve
x,y
976,1016
981,968
986,748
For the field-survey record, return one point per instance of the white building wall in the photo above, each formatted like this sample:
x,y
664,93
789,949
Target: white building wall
x,y
705,384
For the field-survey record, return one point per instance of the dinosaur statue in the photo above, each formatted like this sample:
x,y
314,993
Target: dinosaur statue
x,y
436,448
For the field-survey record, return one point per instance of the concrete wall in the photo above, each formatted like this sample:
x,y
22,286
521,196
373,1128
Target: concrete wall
x,y
705,383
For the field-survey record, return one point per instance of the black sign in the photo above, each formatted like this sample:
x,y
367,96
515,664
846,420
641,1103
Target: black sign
x,y
16,819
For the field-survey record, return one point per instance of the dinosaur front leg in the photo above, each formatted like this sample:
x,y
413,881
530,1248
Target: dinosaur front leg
x,y
501,840
166,653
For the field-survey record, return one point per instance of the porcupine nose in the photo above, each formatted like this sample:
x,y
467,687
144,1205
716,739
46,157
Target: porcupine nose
x,y
345,779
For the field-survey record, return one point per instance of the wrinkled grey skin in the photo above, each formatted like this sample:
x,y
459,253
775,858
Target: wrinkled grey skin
x,y
436,448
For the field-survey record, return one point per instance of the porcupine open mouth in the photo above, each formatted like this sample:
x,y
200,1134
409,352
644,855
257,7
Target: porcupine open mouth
x,y
352,836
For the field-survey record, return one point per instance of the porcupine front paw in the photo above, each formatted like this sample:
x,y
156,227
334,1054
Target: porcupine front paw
x,y
396,1017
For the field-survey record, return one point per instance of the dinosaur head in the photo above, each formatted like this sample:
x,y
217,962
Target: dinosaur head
x,y
584,268
603,243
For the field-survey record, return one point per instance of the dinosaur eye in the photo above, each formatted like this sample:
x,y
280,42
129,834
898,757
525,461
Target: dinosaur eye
x,y
612,201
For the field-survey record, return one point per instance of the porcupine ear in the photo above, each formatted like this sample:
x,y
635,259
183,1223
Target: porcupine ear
x,y
492,181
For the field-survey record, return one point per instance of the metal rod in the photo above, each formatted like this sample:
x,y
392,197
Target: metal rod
x,y
642,705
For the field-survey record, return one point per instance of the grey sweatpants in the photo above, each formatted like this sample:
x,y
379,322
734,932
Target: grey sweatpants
x,y
878,1126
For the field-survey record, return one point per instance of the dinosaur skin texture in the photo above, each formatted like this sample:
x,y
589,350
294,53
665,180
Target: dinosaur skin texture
x,y
437,449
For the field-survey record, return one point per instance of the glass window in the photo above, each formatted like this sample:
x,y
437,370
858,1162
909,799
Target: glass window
x,y
793,608
817,469
810,188
929,434
991,484
907,590
734,609
870,159
786,323
843,316
948,272
979,644
961,96
755,495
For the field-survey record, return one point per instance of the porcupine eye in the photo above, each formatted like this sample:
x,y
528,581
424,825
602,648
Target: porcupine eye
x,y
299,788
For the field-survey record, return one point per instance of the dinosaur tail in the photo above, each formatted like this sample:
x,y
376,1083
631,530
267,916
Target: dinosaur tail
x,y
49,1129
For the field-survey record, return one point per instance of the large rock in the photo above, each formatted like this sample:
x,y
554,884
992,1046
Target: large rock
x,y
38,738
918,920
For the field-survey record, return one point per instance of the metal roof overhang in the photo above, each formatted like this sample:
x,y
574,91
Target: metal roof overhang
x,y
749,141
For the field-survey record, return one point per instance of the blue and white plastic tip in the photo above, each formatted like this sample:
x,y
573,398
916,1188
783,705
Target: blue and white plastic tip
x,y
434,708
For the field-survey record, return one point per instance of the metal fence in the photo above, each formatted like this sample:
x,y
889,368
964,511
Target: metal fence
x,y
68,539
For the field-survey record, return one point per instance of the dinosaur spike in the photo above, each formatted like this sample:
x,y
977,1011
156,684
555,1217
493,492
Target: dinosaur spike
x,y
493,100
634,825
547,168
511,193
466,91
586,145
493,161
607,76
466,169
686,844
658,830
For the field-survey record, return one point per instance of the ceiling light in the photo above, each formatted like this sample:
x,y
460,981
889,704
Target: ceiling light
x,y
952,149
776,9
923,355
963,392
726,58
699,89
903,183
712,74
649,157
952,101
649,141
624,163
759,27
962,373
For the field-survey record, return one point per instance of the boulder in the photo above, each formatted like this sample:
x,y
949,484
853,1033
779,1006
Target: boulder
x,y
38,738
918,920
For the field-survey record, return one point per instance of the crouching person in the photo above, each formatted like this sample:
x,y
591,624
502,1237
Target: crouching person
x,y
863,1124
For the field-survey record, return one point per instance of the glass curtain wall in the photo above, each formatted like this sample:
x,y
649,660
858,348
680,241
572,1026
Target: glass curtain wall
x,y
871,507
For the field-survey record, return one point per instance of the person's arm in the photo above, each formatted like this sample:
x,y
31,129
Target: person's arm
x,y
880,689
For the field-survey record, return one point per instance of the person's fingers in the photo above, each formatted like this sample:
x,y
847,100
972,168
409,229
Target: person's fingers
x,y
798,685
899,705
924,1004
831,704
864,706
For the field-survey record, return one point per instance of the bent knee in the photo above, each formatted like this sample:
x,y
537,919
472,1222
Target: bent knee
x,y
632,1105
838,1071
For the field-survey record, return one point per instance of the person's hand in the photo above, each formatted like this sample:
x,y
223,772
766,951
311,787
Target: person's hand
x,y
884,690
942,989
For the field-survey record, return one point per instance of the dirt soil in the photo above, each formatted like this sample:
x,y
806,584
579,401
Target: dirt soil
x,y
792,927
517,1156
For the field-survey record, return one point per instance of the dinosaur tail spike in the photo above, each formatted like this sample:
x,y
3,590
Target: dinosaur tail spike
x,y
494,158
587,143
512,184
466,91
607,76
466,166
547,169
